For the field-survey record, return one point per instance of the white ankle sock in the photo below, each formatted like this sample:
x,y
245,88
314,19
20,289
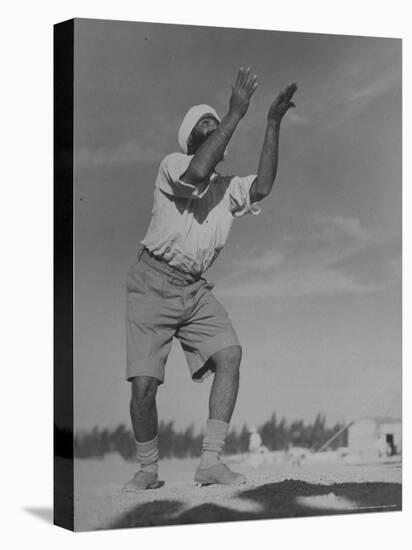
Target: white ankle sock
x,y
213,442
148,455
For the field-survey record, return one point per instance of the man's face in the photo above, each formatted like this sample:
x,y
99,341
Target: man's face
x,y
204,127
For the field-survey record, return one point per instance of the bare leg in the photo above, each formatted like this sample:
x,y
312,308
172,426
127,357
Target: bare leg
x,y
143,410
225,386
143,413
222,401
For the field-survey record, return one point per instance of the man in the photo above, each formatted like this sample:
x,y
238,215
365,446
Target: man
x,y
259,454
167,296
255,441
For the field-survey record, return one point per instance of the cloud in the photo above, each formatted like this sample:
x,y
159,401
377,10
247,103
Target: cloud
x,y
328,240
271,259
337,255
334,97
354,86
367,78
151,144
375,88
354,99
293,118
128,152
297,283
331,226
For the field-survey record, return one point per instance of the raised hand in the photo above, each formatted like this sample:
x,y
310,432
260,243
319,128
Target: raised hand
x,y
282,103
242,91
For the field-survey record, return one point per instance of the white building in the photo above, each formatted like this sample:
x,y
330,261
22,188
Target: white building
x,y
376,435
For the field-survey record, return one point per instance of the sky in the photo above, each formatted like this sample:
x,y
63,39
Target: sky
x,y
312,284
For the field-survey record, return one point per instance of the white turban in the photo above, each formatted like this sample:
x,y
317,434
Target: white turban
x,y
192,117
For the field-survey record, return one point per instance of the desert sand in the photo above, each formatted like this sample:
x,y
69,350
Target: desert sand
x,y
274,490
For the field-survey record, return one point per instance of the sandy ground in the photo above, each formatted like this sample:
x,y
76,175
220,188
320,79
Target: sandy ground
x,y
272,491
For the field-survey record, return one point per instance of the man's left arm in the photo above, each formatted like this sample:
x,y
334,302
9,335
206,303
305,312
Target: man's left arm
x,y
268,162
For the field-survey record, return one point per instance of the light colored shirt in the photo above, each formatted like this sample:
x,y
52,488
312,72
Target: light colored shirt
x,y
190,224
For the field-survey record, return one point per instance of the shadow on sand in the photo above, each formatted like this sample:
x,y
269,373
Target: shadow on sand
x,y
289,498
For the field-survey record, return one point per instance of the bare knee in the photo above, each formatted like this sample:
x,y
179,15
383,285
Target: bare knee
x,y
228,358
144,389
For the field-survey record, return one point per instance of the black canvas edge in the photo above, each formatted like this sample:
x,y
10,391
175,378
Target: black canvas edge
x,y
63,95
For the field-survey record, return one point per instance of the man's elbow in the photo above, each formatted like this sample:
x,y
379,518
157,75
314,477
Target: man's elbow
x,y
259,193
194,176
260,189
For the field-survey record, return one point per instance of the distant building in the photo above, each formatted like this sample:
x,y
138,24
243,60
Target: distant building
x,y
376,435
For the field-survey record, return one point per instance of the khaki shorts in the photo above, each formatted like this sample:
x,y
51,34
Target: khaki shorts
x,y
163,303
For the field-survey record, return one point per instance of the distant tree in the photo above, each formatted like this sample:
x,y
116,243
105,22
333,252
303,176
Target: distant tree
x,y
268,433
172,443
166,439
282,436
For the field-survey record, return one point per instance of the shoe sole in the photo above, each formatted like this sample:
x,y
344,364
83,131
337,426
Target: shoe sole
x,y
139,489
208,483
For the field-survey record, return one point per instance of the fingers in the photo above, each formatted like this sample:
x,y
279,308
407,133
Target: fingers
x,y
290,90
286,94
239,76
279,98
253,88
245,76
246,80
252,84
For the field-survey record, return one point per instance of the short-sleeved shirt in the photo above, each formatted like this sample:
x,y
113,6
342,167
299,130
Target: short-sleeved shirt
x,y
190,224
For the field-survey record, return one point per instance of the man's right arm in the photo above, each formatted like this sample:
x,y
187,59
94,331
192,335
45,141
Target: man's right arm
x,y
211,151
